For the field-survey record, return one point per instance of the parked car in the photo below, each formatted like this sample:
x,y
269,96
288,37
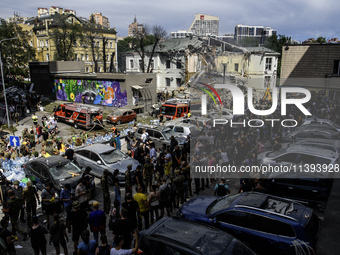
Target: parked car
x,y
266,223
325,122
185,129
310,188
55,169
175,236
331,145
299,154
101,156
311,133
159,135
121,116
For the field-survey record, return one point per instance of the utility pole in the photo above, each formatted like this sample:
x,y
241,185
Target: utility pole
x,y
3,79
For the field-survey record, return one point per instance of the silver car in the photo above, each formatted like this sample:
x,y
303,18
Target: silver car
x,y
299,154
102,156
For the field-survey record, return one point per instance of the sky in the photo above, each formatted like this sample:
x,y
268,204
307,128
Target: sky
x,y
300,19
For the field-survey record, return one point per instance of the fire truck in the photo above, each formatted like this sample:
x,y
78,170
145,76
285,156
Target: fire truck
x,y
79,115
173,111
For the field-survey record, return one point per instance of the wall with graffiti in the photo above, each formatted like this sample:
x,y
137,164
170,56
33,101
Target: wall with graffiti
x,y
102,92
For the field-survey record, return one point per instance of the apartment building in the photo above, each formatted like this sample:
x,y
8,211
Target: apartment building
x,y
204,25
100,19
258,32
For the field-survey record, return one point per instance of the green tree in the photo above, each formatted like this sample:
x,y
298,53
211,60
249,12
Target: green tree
x,y
66,32
248,42
276,43
15,53
321,39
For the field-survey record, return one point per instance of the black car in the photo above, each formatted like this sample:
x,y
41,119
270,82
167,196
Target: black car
x,y
55,169
172,236
311,189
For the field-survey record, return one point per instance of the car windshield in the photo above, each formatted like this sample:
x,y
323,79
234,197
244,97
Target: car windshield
x,y
113,156
169,110
168,133
221,204
65,171
118,112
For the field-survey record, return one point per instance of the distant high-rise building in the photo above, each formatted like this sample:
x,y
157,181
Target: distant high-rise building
x,y
100,19
204,25
135,28
180,34
259,32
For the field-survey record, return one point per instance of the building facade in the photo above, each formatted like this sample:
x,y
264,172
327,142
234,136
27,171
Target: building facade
x,y
180,34
135,28
100,19
204,25
258,32
41,30
312,66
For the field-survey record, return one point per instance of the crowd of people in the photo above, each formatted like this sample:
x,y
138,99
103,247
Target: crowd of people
x,y
160,184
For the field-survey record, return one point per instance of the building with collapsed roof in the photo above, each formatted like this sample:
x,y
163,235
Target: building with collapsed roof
x,y
192,59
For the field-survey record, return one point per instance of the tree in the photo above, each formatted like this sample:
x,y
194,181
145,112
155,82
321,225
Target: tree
x,y
248,42
15,54
65,34
91,39
276,43
143,38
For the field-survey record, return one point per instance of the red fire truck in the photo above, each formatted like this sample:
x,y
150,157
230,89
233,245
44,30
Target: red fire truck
x,y
79,115
174,110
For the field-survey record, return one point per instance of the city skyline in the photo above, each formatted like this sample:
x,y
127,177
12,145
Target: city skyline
x,y
300,20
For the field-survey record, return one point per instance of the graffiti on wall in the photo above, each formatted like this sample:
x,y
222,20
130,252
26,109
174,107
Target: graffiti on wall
x,y
102,92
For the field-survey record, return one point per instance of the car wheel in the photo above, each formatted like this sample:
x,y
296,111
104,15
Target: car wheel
x,y
118,122
110,179
76,125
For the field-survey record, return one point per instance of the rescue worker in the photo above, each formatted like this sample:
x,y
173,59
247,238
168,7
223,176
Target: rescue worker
x,y
14,206
35,119
18,193
128,184
148,172
179,182
106,191
30,196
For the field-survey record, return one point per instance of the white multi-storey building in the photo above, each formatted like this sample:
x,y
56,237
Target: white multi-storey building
x,y
204,25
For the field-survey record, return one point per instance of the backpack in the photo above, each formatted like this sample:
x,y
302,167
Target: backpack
x,y
165,194
221,191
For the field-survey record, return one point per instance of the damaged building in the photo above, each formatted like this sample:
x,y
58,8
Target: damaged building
x,y
182,61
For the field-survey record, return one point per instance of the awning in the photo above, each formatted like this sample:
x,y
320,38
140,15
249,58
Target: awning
x,y
137,87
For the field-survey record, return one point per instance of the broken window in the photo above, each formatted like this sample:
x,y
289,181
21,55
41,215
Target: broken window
x,y
168,64
178,82
179,65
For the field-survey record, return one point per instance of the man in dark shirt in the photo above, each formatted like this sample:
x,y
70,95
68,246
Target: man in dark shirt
x,y
139,177
69,152
125,228
132,207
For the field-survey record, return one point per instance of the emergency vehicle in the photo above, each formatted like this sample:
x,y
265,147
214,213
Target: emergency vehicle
x,y
79,115
173,111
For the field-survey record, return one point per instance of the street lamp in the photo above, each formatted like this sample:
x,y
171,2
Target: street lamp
x,y
3,80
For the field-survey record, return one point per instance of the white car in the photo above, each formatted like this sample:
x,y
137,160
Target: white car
x,y
184,129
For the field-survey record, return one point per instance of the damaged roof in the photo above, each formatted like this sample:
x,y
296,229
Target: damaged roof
x,y
261,50
178,45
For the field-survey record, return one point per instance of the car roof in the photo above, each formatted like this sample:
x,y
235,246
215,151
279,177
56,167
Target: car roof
x,y
316,130
206,239
97,147
276,206
53,160
312,150
159,128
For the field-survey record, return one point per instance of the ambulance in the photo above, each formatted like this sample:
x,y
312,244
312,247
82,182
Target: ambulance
x,y
80,116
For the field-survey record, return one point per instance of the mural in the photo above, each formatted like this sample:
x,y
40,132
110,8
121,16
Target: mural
x,y
102,92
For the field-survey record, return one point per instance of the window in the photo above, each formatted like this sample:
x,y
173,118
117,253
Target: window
x,y
236,218
178,82
336,67
46,43
157,134
179,129
236,67
87,69
167,82
94,57
94,157
262,224
47,57
152,66
111,45
178,65
168,64
85,154
140,65
87,56
268,64
131,63
107,57
76,56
